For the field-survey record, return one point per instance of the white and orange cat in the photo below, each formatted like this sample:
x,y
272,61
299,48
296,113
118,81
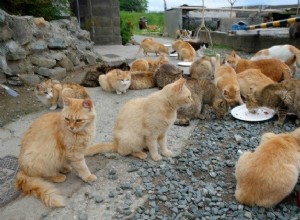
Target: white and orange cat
x,y
269,174
287,53
184,50
272,68
148,64
52,146
225,78
151,46
115,81
50,92
251,80
143,123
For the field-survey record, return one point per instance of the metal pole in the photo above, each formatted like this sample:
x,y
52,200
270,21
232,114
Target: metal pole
x,y
78,14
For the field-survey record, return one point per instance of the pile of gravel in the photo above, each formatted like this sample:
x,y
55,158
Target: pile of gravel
x,y
200,182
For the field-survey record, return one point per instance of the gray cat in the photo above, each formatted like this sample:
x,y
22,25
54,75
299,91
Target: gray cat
x,y
166,74
203,92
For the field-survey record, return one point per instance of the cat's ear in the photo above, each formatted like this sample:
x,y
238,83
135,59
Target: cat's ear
x,y
38,87
87,103
233,53
66,101
179,84
225,92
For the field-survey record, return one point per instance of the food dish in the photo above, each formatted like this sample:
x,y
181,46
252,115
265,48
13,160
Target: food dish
x,y
184,63
167,45
173,55
242,113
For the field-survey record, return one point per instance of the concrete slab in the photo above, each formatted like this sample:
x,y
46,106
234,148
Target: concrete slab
x,y
81,197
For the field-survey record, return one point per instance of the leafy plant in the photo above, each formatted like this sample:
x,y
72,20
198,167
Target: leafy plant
x,y
126,31
133,5
49,9
153,18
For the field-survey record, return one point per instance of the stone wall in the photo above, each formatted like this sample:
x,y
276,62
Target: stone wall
x,y
32,48
102,19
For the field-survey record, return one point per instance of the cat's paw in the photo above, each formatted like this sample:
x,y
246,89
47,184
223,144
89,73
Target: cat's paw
x,y
167,153
156,157
278,123
66,169
90,178
53,107
119,93
59,178
201,116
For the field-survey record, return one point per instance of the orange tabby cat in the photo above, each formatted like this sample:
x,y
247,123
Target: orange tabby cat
x,y
226,81
269,174
150,46
50,92
143,123
54,144
251,80
185,51
148,64
142,80
115,80
273,68
287,53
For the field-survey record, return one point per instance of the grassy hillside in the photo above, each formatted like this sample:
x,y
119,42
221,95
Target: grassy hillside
x,y
153,18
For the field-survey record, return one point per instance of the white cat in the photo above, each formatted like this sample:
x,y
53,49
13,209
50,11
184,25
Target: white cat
x,y
289,54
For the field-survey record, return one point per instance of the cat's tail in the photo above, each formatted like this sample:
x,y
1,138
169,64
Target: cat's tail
x,y
104,84
39,188
100,148
140,49
296,51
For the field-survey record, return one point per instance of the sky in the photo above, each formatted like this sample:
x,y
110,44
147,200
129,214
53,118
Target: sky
x,y
158,5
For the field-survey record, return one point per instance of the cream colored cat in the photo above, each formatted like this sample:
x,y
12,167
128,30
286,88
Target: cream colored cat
x,y
115,81
150,46
204,67
50,92
54,144
272,68
251,80
269,174
226,81
143,123
185,51
148,64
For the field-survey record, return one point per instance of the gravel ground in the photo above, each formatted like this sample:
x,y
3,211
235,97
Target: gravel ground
x,y
200,182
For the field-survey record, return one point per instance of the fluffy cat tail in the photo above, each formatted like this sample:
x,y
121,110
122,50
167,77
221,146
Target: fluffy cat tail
x,y
39,188
296,51
100,148
103,83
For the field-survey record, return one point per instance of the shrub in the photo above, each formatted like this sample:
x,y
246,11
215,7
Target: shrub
x,y
126,31
49,9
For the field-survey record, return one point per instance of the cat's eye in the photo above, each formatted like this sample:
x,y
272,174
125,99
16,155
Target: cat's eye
x,y
67,119
46,93
78,120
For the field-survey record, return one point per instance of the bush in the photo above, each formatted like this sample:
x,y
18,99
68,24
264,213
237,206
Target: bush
x,y
126,31
153,18
49,9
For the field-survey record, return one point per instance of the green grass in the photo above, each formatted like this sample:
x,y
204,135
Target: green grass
x,y
153,18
